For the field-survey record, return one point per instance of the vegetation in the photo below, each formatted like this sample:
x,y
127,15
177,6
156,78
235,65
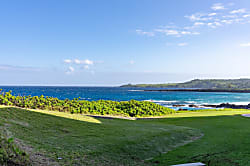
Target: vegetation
x,y
224,141
243,84
10,154
131,108
101,142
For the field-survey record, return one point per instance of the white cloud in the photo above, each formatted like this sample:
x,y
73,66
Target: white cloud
x,y
86,67
227,21
230,16
19,68
245,45
218,16
172,32
182,44
246,15
239,20
193,17
198,23
168,32
70,70
210,24
197,17
88,62
186,33
141,32
195,33
217,23
212,14
218,6
214,24
77,61
67,61
176,33
176,44
201,16
132,62
238,11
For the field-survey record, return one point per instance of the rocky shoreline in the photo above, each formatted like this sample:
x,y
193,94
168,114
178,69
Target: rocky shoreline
x,y
223,105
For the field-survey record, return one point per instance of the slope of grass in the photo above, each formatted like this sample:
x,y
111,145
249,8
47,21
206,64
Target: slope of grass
x,y
10,154
225,142
66,141
109,142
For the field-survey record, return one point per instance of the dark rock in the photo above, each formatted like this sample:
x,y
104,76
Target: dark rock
x,y
178,105
181,109
233,106
193,106
209,105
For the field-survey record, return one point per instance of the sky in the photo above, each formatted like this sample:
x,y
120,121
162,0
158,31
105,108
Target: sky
x,y
115,42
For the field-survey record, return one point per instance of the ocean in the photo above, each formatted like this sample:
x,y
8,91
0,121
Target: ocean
x,y
167,99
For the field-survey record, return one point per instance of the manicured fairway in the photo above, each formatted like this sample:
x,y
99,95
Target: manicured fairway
x,y
219,138
226,141
96,142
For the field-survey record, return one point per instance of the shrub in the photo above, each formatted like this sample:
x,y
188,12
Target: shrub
x,y
130,108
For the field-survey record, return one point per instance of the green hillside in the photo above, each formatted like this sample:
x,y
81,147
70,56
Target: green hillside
x,y
202,83
40,138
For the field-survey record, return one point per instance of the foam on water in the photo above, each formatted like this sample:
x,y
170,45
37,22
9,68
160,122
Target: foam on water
x,y
124,94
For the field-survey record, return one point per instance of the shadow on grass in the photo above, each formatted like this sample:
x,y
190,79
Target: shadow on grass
x,y
110,142
70,141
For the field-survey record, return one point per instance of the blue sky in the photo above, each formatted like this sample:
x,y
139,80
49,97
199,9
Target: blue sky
x,y
80,42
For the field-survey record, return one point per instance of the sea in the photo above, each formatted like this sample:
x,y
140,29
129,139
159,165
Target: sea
x,y
167,99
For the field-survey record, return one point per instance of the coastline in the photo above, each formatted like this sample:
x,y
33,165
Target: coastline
x,y
198,90
214,106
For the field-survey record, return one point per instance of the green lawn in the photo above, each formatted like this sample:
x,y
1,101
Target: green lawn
x,y
226,141
91,141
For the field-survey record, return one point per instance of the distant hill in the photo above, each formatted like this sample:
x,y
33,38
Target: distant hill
x,y
201,84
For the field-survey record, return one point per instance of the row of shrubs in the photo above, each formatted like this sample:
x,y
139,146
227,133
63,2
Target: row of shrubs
x,y
130,108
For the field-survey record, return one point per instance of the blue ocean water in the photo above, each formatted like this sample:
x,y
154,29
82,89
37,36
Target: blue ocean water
x,y
124,94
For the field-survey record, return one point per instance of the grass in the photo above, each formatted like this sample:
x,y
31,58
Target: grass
x,y
225,141
110,142
10,154
172,140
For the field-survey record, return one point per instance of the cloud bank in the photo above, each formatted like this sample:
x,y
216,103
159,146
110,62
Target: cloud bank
x,y
82,64
217,16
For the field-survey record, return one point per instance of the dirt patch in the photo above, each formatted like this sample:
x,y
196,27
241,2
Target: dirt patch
x,y
36,158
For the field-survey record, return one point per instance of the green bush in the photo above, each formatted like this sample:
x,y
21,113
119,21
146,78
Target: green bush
x,y
130,108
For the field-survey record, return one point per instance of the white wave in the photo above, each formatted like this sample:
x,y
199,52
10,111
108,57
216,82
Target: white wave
x,y
191,102
162,101
85,98
236,103
240,103
135,90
